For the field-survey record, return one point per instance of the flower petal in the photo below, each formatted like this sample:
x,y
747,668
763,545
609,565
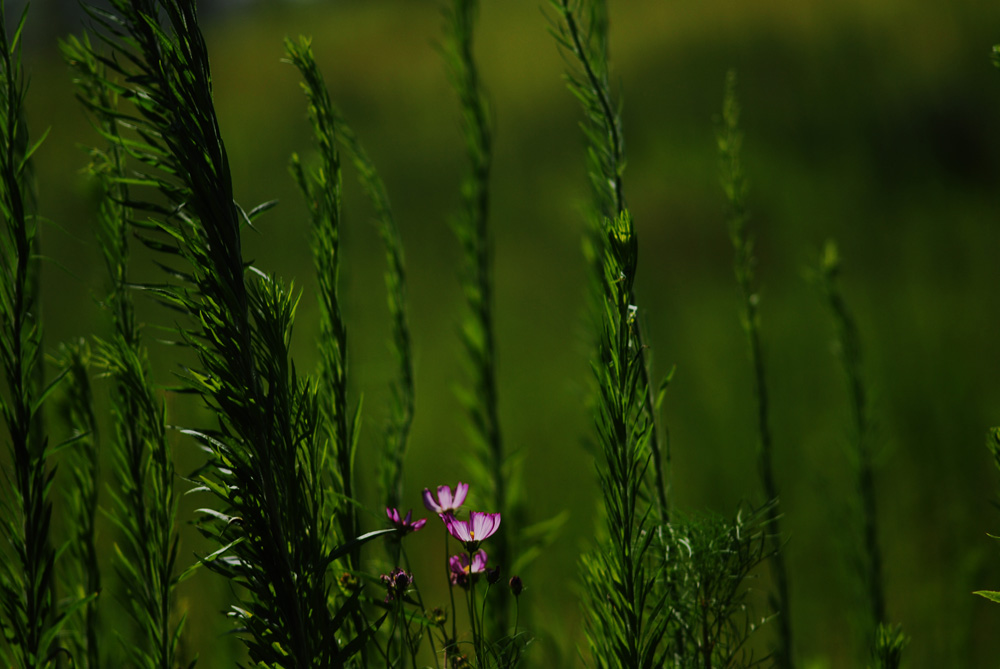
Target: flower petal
x,y
444,497
430,503
483,525
461,490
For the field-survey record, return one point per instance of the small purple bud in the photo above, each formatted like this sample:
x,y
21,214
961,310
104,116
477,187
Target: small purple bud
x,y
493,575
516,586
396,583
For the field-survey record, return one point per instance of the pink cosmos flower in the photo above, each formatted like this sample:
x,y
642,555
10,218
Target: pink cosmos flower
x,y
446,502
461,571
404,525
473,531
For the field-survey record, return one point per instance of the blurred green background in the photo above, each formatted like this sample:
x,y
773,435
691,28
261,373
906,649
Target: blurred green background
x,y
874,123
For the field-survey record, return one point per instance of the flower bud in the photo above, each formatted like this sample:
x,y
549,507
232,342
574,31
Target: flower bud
x,y
516,586
438,615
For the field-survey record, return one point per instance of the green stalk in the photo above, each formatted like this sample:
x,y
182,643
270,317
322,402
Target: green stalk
x,y
267,457
588,44
83,578
144,505
729,141
323,193
491,469
27,608
861,447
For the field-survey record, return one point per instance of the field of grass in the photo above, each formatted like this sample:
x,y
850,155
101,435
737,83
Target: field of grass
x,y
872,123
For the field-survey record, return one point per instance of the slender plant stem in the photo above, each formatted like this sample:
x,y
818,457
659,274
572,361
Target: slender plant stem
x,y
729,141
613,166
472,227
849,348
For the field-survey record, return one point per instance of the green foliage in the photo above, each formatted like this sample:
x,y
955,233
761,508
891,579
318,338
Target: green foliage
x,y
658,593
82,576
708,561
580,28
266,455
889,644
625,622
322,190
331,129
144,506
492,468
100,97
729,140
861,455
29,614
660,587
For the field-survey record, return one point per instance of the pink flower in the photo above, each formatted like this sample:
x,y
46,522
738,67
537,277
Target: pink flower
x,y
404,526
446,502
473,531
461,571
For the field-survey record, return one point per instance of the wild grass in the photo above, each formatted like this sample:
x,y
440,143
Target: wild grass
x,y
286,510
31,615
491,469
734,185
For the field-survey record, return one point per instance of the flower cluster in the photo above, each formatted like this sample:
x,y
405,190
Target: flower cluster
x,y
464,569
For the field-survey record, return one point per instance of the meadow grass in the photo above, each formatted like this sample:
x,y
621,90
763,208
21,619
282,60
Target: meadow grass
x,y
287,505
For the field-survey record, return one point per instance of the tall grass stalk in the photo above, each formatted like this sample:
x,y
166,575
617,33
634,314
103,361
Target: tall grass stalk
x,y
627,620
729,139
28,610
322,189
886,642
401,388
627,603
81,571
581,29
491,467
266,454
861,449
144,505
